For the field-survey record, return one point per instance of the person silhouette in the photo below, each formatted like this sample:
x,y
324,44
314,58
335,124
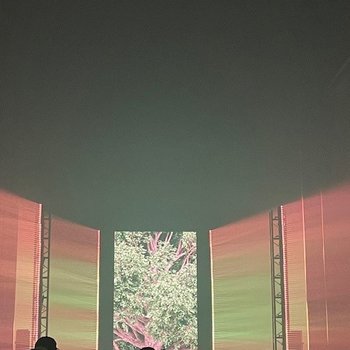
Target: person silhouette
x,y
46,343
147,348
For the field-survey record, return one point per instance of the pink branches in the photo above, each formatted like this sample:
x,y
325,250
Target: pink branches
x,y
128,336
135,333
168,237
153,243
182,252
189,254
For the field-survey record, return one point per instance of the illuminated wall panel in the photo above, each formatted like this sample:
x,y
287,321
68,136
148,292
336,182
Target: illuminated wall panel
x,y
155,293
241,285
317,269
19,271
295,276
73,290
336,227
315,273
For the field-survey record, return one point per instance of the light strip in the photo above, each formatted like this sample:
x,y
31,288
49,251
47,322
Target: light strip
x,y
324,266
212,290
98,287
306,300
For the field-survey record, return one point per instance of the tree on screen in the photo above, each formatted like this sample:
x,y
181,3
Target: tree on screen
x,y
155,294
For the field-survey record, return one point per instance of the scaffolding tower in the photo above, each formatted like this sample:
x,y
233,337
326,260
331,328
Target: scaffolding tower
x,y
277,280
44,274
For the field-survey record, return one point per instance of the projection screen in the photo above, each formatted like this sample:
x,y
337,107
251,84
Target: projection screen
x,y
73,289
155,290
19,271
317,269
241,285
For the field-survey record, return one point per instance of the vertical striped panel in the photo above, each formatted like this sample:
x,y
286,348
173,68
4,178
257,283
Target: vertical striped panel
x,y
317,271
19,271
295,285
241,285
73,292
336,222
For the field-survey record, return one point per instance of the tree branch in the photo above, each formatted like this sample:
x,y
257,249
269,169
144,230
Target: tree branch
x,y
127,337
189,255
152,246
168,237
180,252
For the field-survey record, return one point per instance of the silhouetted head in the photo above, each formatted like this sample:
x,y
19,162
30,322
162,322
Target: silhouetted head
x,y
147,348
47,343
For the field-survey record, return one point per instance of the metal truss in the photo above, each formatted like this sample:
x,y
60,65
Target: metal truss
x,y
277,280
44,274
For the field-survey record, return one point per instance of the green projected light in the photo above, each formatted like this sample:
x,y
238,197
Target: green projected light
x,y
155,290
241,285
74,274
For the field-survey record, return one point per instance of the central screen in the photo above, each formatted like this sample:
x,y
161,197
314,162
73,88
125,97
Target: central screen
x,y
155,290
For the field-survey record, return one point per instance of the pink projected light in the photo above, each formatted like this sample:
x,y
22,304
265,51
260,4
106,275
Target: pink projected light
x,y
19,271
317,267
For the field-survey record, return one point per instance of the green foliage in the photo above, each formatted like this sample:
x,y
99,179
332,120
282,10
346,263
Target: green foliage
x,y
155,295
